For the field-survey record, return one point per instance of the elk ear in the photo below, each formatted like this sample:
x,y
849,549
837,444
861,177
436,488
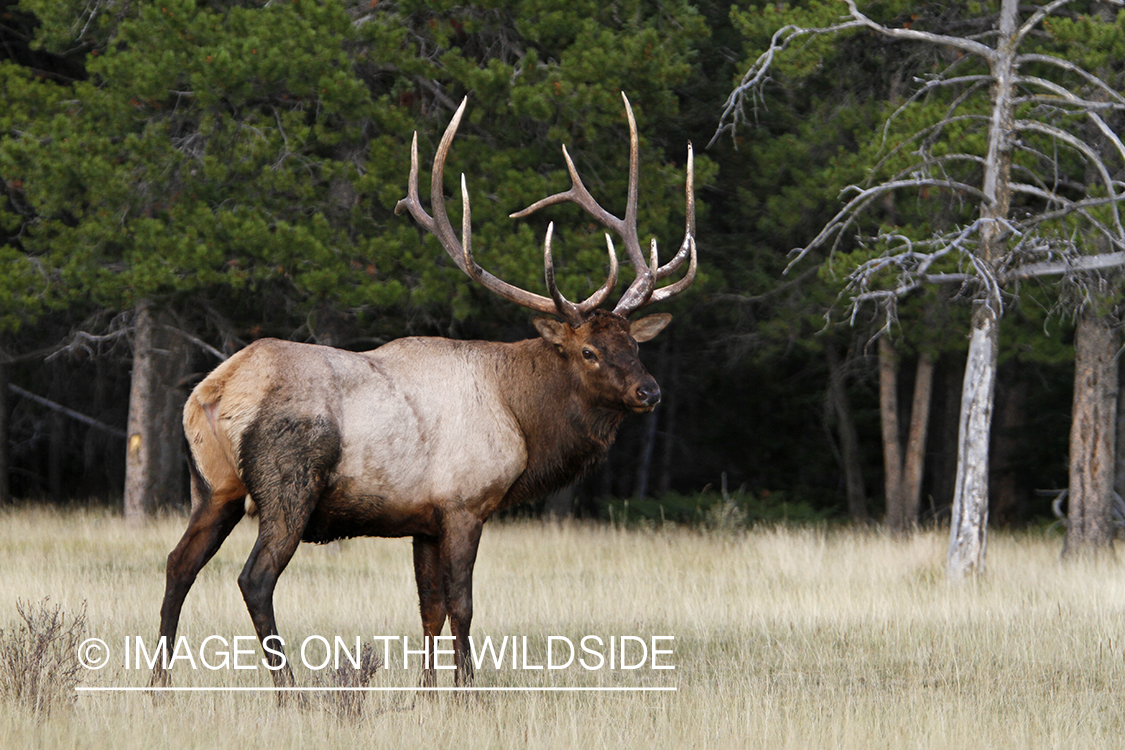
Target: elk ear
x,y
551,330
646,328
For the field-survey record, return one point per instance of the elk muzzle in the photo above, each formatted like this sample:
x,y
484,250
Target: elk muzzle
x,y
646,396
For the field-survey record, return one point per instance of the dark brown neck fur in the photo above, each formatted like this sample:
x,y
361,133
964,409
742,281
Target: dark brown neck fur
x,y
566,435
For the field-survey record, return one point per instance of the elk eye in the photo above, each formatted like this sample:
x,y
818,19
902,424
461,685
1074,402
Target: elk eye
x,y
589,355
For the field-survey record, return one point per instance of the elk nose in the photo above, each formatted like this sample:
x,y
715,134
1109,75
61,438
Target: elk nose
x,y
648,394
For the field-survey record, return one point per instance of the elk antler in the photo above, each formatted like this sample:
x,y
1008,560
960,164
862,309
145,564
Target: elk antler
x,y
643,290
462,253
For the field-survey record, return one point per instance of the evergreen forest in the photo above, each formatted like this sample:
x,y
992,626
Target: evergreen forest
x,y
183,177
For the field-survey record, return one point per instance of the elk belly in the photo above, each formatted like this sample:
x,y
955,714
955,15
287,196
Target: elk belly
x,y
345,512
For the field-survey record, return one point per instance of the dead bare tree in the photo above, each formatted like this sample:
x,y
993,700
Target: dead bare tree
x,y
1002,86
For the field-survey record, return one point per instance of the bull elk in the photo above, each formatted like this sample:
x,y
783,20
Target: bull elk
x,y
422,437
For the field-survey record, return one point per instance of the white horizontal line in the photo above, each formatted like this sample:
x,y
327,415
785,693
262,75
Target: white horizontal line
x,y
512,689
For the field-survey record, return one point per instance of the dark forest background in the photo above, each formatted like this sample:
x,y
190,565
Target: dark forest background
x,y
178,179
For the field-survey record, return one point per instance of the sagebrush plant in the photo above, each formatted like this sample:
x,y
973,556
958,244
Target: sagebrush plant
x,y
348,702
39,667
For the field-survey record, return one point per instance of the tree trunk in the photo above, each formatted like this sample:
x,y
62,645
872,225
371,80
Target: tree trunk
x,y
892,451
849,437
969,523
648,445
903,471
139,500
1089,520
154,446
667,454
1094,469
5,438
968,526
916,443
1119,446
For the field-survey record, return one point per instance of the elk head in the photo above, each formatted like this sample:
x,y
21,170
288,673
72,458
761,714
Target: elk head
x,y
599,346
602,355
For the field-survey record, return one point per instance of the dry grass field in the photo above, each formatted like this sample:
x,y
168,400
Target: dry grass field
x,y
784,638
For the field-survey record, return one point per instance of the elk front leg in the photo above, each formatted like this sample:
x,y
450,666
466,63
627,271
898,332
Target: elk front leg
x,y
430,577
459,539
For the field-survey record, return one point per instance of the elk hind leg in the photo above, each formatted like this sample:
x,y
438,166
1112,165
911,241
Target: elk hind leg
x,y
215,512
286,466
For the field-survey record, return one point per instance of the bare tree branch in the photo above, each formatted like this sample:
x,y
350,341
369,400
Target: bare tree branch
x,y
849,213
67,411
1038,16
1073,264
924,134
937,82
757,75
936,171
1090,109
1074,207
1092,158
197,341
1070,67
962,43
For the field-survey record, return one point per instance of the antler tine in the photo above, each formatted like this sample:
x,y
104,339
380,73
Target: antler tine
x,y
566,308
634,179
689,231
576,313
466,227
410,202
636,296
687,250
666,292
442,228
596,299
576,194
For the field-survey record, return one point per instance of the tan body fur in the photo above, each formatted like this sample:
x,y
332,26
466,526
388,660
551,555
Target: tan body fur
x,y
423,422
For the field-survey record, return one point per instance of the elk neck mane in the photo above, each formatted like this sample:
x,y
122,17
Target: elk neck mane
x,y
566,434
